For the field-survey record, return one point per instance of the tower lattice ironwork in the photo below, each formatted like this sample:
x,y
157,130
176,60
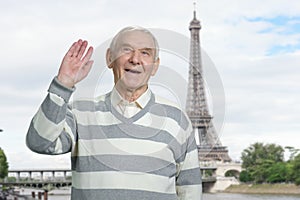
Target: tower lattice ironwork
x,y
209,147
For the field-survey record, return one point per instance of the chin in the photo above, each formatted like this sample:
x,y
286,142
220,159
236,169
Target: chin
x,y
133,86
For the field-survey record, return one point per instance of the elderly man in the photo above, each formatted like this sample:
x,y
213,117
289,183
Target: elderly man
x,y
128,144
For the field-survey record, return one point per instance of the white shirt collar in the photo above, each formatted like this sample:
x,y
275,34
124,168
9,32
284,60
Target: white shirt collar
x,y
141,102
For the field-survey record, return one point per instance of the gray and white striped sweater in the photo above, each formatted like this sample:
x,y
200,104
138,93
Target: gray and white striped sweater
x,y
151,155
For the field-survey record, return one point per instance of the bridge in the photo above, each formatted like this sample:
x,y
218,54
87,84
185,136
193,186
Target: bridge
x,y
215,177
40,179
37,178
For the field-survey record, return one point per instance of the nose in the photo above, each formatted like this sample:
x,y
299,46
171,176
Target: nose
x,y
135,58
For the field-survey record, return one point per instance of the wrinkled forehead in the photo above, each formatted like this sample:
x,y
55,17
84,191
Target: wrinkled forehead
x,y
136,39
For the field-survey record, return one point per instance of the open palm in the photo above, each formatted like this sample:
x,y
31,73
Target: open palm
x,y
76,64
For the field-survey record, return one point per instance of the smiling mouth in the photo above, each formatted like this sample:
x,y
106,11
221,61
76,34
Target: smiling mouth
x,y
132,71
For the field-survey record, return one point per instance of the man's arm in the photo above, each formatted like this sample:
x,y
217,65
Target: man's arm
x,y
53,128
188,180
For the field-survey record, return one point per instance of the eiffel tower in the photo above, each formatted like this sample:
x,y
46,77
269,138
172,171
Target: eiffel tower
x,y
210,147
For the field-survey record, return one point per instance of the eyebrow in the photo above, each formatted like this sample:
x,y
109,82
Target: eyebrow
x,y
143,48
147,48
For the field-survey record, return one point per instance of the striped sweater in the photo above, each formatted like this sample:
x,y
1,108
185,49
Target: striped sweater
x,y
151,155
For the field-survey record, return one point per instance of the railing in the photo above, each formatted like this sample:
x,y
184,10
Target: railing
x,y
49,184
211,179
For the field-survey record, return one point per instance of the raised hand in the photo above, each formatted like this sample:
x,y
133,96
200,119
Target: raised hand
x,y
76,64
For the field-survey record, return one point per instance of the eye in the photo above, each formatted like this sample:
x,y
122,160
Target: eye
x,y
127,49
146,52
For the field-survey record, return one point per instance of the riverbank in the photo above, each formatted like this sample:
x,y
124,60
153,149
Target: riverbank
x,y
264,189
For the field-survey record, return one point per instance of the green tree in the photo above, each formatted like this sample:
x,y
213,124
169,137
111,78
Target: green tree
x,y
245,177
278,173
259,158
289,171
3,165
259,172
232,173
293,151
296,169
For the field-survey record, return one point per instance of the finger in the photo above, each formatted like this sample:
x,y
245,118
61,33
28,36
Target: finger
x,y
77,48
71,50
82,49
88,56
89,64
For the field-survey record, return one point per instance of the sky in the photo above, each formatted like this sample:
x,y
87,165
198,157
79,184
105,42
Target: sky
x,y
254,45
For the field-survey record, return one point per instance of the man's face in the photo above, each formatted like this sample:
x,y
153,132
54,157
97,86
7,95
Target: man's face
x,y
134,60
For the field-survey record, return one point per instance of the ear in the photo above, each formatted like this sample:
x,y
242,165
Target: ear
x,y
155,66
109,58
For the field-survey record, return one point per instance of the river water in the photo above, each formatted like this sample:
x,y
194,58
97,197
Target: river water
x,y
219,196
64,194
227,196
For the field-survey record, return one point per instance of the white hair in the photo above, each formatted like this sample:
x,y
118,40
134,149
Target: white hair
x,y
113,44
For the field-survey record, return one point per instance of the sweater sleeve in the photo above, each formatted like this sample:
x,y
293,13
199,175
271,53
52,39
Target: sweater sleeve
x,y
188,179
53,127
